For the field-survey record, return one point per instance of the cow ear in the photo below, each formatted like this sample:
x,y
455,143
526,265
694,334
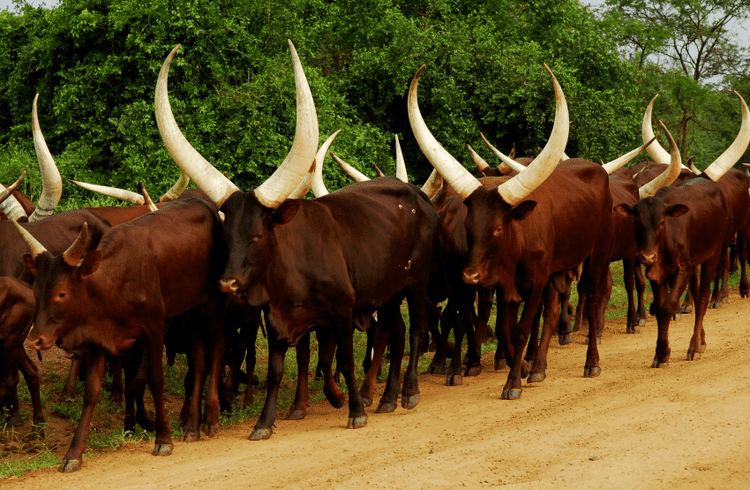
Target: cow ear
x,y
521,211
30,263
677,210
623,210
286,212
91,262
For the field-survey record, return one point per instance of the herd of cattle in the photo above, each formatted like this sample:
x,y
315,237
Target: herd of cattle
x,y
195,272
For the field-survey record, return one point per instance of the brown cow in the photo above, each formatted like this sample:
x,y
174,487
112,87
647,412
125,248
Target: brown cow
x,y
17,307
514,235
305,261
106,299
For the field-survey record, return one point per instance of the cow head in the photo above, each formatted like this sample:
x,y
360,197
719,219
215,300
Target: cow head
x,y
495,213
652,233
60,285
249,216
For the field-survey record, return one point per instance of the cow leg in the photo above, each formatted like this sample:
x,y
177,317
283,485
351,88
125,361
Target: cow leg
x,y
594,278
298,410
721,280
477,331
580,307
551,312
73,459
69,390
114,366
155,347
640,290
249,332
380,342
687,303
216,341
628,269
194,386
532,347
564,332
276,353
505,322
437,366
698,341
464,318
606,293
669,302
519,338
389,319
742,252
326,352
31,375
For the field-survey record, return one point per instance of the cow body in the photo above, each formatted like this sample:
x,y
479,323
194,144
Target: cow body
x,y
143,272
518,249
17,307
678,229
308,262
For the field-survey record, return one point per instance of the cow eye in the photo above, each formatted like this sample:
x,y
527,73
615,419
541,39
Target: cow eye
x,y
61,295
498,230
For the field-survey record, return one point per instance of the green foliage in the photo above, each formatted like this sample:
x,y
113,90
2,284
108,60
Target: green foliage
x,y
94,64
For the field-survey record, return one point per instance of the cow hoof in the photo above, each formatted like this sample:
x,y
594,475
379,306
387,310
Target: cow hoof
x,y
386,407
592,372
211,430
366,400
676,316
725,300
147,423
191,436
162,449
686,309
642,322
69,466
409,402
565,339
513,394
659,364
436,369
295,415
526,367
715,305
473,371
15,421
260,434
357,422
634,329
536,377
455,380
500,364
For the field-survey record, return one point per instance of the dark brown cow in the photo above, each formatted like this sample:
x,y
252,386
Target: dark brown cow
x,y
17,307
515,240
104,300
307,260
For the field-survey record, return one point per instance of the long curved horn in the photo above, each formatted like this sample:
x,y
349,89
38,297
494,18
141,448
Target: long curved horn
x,y
655,151
507,162
205,175
51,180
434,184
377,170
610,167
457,176
9,205
304,187
480,162
177,189
352,172
122,194
72,256
298,161
35,247
692,167
147,199
400,165
669,175
731,155
516,189
318,186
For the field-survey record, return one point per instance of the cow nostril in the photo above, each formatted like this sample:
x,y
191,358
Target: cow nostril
x,y
229,286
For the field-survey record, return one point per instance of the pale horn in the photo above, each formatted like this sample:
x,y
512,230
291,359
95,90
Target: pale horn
x,y
669,175
612,166
32,243
9,205
732,155
352,172
318,186
121,194
400,165
51,180
508,162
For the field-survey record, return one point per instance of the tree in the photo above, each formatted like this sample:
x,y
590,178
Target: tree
x,y
689,38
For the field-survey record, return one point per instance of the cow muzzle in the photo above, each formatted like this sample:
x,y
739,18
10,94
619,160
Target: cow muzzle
x,y
228,285
41,342
471,277
647,259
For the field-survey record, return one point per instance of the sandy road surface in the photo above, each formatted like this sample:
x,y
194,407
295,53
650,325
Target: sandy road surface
x,y
684,426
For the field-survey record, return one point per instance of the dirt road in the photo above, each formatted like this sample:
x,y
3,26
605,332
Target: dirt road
x,y
684,426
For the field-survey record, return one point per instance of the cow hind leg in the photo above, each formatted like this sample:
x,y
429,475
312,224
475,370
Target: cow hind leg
x,y
389,317
31,375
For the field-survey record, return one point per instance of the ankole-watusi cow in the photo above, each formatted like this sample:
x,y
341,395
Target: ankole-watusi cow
x,y
546,220
308,261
